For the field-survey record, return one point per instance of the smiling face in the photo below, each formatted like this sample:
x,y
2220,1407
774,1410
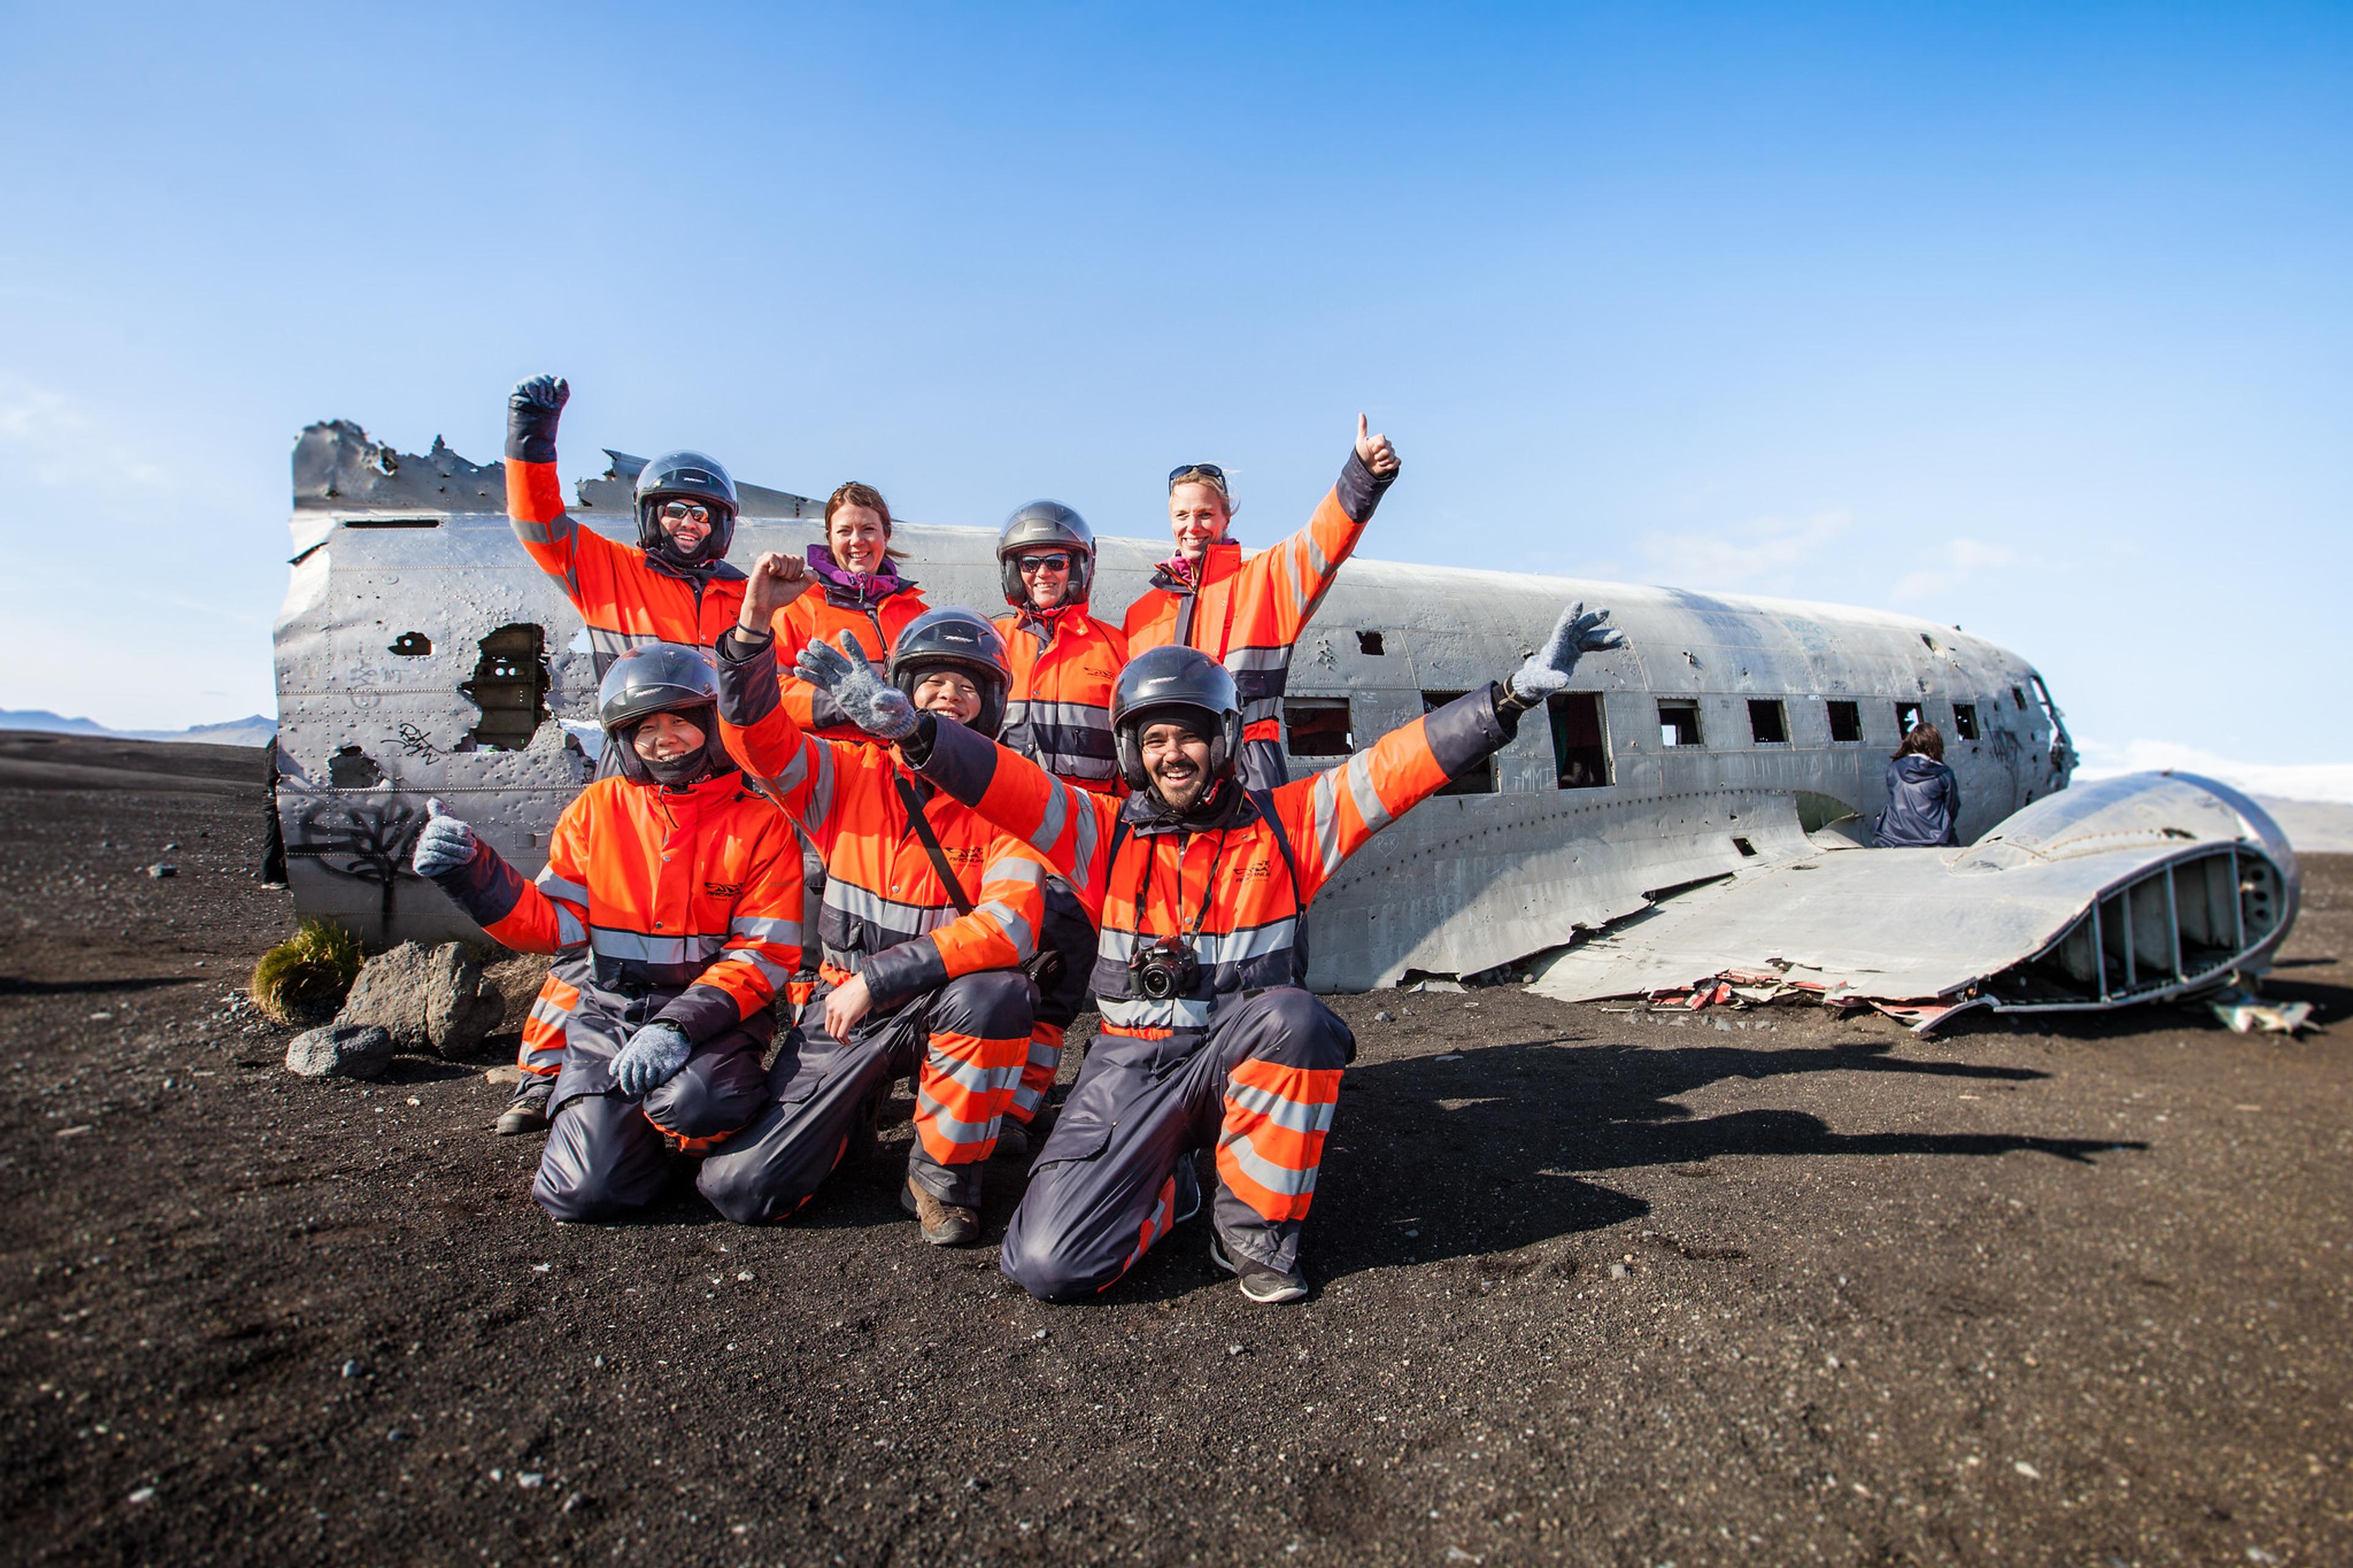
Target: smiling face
x,y
666,738
858,537
1197,515
950,693
687,523
1045,576
1176,757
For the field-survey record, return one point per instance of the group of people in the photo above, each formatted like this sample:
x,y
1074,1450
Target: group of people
x,y
1009,816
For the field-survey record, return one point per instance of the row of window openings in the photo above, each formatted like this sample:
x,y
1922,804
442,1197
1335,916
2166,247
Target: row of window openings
x,y
1768,720
1318,727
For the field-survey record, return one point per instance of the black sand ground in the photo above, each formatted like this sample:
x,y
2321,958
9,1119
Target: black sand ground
x,y
1592,1291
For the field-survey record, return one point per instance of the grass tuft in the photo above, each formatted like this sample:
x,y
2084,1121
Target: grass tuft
x,y
303,979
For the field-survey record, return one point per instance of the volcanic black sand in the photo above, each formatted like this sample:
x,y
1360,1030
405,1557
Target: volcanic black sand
x,y
1592,1290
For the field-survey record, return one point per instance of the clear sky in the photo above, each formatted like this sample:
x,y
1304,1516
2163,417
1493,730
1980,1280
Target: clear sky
x,y
2036,320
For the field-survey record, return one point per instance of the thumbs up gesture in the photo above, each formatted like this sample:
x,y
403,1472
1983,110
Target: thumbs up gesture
x,y
443,844
1375,451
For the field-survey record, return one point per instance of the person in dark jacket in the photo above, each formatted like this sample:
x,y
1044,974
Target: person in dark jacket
x,y
1924,798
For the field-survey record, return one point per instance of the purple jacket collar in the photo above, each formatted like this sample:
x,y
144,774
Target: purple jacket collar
x,y
863,588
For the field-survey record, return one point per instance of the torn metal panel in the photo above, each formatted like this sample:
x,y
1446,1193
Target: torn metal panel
x,y
2135,888
406,568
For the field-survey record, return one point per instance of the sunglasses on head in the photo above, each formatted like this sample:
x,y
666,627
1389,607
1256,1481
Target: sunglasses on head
x,y
1210,472
1058,562
684,511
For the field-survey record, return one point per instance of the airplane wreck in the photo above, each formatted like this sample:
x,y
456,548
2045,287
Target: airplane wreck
x,y
1692,810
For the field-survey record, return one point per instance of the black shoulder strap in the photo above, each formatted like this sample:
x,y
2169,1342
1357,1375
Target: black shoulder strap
x,y
922,826
1264,800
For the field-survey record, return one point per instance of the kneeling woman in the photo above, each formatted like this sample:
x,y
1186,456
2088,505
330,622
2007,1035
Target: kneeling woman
x,y
685,889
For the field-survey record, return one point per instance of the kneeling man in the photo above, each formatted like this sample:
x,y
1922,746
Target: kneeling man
x,y
1201,887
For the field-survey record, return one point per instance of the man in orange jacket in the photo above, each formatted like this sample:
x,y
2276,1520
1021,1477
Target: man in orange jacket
x,y
1065,664
680,889
1247,612
1202,885
673,586
922,976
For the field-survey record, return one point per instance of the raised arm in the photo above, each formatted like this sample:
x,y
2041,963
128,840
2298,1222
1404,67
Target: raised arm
x,y
754,724
1337,813
1300,570
550,915
576,557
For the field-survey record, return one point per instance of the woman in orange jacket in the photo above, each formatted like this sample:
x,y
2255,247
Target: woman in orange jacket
x,y
855,589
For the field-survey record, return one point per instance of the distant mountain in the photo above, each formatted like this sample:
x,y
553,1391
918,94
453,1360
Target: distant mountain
x,y
255,730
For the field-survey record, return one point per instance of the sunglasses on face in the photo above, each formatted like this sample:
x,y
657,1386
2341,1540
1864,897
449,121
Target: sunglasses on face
x,y
684,511
1206,472
1055,562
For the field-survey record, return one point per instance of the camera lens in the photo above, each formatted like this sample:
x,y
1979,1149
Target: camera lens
x,y
1156,982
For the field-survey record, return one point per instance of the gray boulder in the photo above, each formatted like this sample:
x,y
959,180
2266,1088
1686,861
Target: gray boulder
x,y
340,1050
432,1001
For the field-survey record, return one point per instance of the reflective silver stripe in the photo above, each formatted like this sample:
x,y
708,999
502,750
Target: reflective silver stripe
x,y
972,1075
1296,566
1299,1118
1014,869
1359,771
546,1012
851,961
636,947
1213,948
1179,1013
776,975
1274,1178
531,532
1259,658
1082,839
1017,930
1049,826
557,887
957,1131
766,927
617,642
911,920
1076,715
1317,562
1325,801
1257,708
569,930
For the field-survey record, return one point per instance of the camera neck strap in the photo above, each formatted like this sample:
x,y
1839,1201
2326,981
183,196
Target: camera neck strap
x,y
922,825
1264,803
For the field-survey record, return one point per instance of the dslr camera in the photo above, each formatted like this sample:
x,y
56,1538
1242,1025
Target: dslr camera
x,y
1166,969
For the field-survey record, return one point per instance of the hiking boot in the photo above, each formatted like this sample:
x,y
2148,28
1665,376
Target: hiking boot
x,y
1259,1282
527,1112
943,1225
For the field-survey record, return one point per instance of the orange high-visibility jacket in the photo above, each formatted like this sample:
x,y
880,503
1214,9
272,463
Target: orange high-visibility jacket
x,y
1246,613
823,610
1234,888
1058,713
886,914
626,598
697,887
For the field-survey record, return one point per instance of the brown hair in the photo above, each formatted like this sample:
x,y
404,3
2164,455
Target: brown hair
x,y
856,494
1925,740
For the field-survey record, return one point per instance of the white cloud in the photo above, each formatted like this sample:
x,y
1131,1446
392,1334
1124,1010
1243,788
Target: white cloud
x,y
60,443
2331,781
1962,558
1763,553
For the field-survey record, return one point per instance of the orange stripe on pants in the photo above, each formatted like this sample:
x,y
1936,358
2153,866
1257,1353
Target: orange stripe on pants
x,y
542,1051
962,1088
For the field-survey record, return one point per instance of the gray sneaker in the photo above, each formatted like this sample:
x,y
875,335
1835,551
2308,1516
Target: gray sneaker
x,y
1271,1287
527,1112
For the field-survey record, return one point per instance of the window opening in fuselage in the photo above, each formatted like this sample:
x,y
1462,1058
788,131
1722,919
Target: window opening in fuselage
x,y
1678,723
1580,741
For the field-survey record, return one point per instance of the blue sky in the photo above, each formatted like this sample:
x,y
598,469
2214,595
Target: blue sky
x,y
2038,323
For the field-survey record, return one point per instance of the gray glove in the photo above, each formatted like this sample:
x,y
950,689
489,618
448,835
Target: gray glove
x,y
443,844
871,704
1547,671
651,1058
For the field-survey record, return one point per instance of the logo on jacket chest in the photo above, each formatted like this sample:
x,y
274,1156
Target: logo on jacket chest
x,y
723,889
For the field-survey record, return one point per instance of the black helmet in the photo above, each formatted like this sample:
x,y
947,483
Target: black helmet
x,y
686,476
1185,680
961,639
1042,525
661,678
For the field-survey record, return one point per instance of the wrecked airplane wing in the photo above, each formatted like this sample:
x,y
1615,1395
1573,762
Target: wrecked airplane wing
x,y
2132,890
419,653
